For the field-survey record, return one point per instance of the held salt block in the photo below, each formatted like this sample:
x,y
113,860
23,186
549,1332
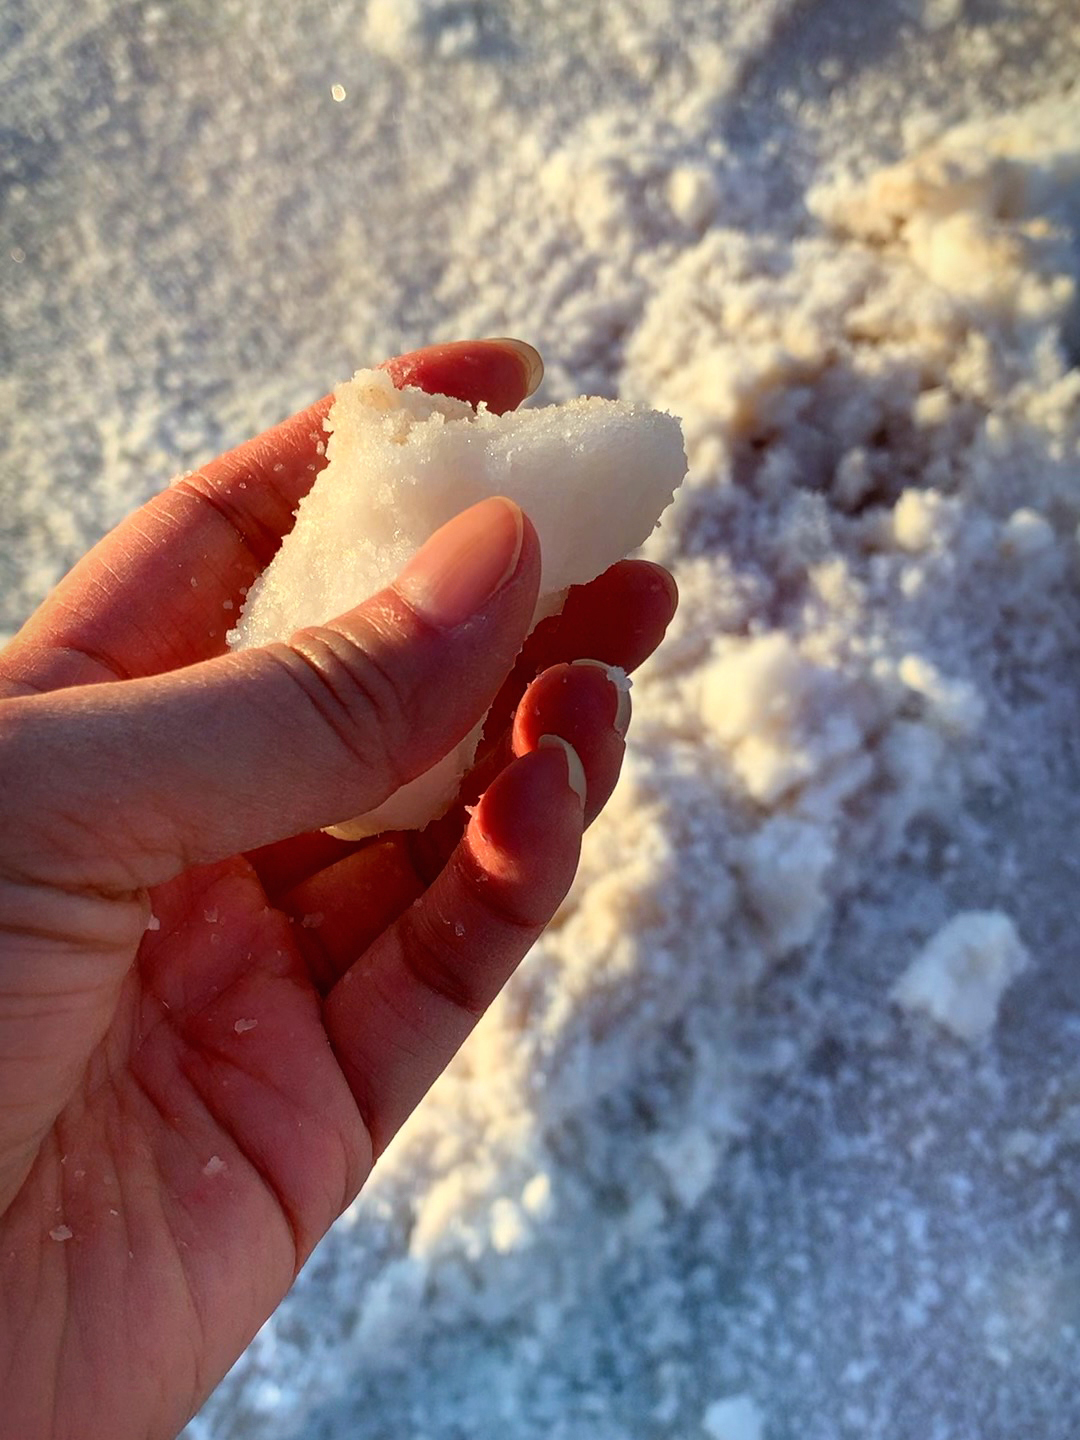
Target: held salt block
x,y
592,475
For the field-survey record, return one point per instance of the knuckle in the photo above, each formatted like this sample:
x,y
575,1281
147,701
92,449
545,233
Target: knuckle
x,y
355,694
443,965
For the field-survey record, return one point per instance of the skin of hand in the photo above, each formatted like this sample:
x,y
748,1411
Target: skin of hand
x,y
213,1016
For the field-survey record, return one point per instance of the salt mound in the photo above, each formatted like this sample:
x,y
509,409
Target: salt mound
x,y
592,475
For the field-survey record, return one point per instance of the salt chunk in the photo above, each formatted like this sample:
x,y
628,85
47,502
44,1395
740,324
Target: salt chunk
x,y
915,519
937,14
755,685
961,974
593,476
153,923
536,1198
509,1228
953,704
693,195
736,1417
214,1166
1026,533
242,1026
61,1232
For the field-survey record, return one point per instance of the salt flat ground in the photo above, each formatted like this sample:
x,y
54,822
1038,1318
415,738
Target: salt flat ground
x,y
700,1173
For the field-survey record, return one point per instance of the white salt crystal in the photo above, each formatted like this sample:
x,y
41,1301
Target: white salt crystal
x,y
61,1232
593,476
241,1026
153,923
214,1166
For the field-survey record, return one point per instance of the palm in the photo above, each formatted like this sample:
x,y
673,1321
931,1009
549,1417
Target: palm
x,y
211,1154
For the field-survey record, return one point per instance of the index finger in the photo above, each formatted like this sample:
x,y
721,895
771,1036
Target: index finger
x,y
162,589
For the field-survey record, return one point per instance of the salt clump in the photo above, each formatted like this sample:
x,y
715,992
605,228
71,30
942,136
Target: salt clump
x,y
592,475
961,975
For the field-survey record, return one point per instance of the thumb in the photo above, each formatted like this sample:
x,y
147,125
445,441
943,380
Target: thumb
x,y
124,785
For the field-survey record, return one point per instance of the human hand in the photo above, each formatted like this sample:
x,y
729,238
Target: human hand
x,y
186,1108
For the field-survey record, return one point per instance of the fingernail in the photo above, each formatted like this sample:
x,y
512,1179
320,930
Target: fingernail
x,y
620,683
575,771
530,358
464,563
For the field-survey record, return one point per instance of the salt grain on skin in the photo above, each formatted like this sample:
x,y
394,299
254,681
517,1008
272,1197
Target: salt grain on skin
x,y
241,1026
214,1166
61,1232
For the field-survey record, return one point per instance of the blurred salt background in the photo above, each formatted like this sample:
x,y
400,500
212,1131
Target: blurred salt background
x,y
697,1175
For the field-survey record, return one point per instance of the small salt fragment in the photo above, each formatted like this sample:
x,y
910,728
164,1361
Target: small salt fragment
x,y
214,1166
153,923
337,92
312,921
320,448
961,975
61,1232
244,1025
211,916
194,583
278,468
459,929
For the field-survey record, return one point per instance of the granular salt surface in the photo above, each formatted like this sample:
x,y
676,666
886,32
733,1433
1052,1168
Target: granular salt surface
x,y
696,1157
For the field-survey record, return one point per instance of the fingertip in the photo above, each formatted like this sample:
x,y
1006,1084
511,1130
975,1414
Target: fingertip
x,y
575,771
525,832
664,585
583,706
499,373
531,360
